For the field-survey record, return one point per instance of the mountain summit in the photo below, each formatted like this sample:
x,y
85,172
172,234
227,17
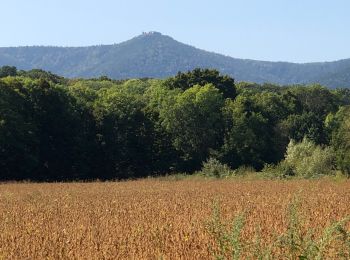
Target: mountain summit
x,y
153,54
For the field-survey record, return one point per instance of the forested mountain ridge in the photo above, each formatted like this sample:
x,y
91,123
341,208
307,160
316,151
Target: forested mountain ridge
x,y
158,56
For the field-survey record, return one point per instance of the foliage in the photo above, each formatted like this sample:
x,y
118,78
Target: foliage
x,y
18,133
52,128
42,74
224,84
308,159
281,170
298,126
194,120
6,71
124,135
214,168
339,127
247,134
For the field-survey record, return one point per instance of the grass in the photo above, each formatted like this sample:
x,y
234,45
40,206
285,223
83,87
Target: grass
x,y
167,219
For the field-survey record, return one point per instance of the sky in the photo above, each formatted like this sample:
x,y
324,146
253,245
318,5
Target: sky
x,y
274,30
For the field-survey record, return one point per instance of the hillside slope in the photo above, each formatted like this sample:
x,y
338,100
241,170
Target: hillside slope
x,y
159,56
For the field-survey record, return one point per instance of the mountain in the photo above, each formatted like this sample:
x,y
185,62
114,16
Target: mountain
x,y
156,55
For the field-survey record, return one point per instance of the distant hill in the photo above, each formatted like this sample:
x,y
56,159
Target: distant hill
x,y
156,55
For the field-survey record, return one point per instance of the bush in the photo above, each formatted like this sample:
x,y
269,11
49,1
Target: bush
x,y
214,168
281,171
244,170
307,159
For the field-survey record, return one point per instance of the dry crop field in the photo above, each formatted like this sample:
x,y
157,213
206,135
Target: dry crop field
x,y
185,219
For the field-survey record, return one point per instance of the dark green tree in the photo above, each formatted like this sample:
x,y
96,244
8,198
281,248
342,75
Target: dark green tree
x,y
201,77
124,135
58,123
194,120
18,134
247,135
42,74
316,99
338,125
308,124
8,71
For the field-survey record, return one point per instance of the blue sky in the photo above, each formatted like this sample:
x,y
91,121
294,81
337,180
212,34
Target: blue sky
x,y
276,30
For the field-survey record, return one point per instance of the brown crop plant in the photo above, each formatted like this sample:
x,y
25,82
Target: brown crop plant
x,y
184,219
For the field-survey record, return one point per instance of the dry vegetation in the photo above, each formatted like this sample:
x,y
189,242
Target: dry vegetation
x,y
153,219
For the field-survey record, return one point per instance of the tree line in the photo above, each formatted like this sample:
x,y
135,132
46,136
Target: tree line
x,y
53,128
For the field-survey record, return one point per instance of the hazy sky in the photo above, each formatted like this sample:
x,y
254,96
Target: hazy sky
x,y
278,30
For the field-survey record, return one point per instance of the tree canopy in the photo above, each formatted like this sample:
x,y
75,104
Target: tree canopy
x,y
52,128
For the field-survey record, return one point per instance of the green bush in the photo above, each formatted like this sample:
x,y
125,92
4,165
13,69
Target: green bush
x,y
214,168
244,170
281,171
307,159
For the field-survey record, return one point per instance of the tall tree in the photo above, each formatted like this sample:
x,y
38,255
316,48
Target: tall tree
x,y
339,126
124,136
18,134
194,120
247,134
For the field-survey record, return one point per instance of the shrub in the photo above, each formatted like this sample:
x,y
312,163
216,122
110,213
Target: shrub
x,y
307,159
281,171
244,170
214,168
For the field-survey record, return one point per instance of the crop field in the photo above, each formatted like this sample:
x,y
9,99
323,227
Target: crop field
x,y
184,219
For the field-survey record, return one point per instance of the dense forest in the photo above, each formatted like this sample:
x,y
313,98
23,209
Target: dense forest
x,y
54,128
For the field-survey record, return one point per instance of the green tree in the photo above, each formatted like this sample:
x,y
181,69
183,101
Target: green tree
x,y
308,124
124,135
247,135
338,125
201,77
42,74
18,134
343,96
194,120
165,157
316,99
84,99
8,71
58,123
